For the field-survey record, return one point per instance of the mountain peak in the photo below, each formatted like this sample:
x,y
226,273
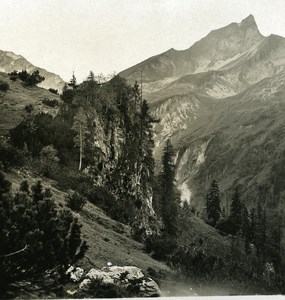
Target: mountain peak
x,y
248,20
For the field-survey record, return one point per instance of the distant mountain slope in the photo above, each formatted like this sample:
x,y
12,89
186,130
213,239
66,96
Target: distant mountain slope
x,y
213,52
229,60
10,61
240,143
221,101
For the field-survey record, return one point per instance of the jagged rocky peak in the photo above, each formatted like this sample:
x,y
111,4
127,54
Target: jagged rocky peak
x,y
248,21
235,37
212,52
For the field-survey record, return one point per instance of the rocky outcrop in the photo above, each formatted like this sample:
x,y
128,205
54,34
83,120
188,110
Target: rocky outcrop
x,y
129,278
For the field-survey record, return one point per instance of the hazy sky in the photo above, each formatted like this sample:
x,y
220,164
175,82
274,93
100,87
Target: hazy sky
x,y
111,35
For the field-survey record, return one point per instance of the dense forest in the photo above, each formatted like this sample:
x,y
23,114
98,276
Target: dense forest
x,y
99,149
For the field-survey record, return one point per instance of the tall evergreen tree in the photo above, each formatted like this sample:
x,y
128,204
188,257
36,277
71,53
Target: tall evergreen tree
x,y
169,197
261,229
235,217
213,203
73,82
245,227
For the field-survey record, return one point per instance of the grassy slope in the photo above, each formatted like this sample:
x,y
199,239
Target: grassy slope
x,y
13,102
110,240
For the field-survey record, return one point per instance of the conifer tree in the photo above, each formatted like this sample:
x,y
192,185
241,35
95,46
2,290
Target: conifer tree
x,y
213,203
235,217
245,227
36,237
261,229
73,82
169,197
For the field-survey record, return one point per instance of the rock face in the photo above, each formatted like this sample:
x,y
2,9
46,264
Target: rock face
x,y
128,277
108,144
10,61
221,102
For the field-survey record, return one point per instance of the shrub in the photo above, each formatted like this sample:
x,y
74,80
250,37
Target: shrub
x,y
75,201
67,96
48,161
161,246
28,79
10,156
29,108
4,86
50,102
54,91
36,237
13,75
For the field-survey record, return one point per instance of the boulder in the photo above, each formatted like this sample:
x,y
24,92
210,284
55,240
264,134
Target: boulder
x,y
129,277
149,288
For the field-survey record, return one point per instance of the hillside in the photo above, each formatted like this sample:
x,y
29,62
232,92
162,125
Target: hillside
x,y
188,186
13,102
111,241
10,62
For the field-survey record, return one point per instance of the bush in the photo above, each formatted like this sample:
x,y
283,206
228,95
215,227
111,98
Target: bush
x,y
48,161
10,156
4,86
29,108
54,91
161,246
67,96
75,201
13,75
50,102
28,79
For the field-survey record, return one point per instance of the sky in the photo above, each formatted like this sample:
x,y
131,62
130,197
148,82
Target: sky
x,y
108,36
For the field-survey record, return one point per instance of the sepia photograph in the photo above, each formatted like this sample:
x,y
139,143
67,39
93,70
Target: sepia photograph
x,y
142,148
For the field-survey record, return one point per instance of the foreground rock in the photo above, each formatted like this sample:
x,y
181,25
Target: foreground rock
x,y
128,279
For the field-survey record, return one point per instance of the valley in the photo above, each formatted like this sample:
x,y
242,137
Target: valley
x,y
181,176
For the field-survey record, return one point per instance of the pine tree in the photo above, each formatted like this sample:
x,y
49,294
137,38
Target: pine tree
x,y
73,82
245,227
169,196
260,237
213,203
253,223
91,77
235,218
36,237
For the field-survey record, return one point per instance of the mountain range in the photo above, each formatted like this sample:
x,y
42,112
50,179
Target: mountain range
x,y
221,102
